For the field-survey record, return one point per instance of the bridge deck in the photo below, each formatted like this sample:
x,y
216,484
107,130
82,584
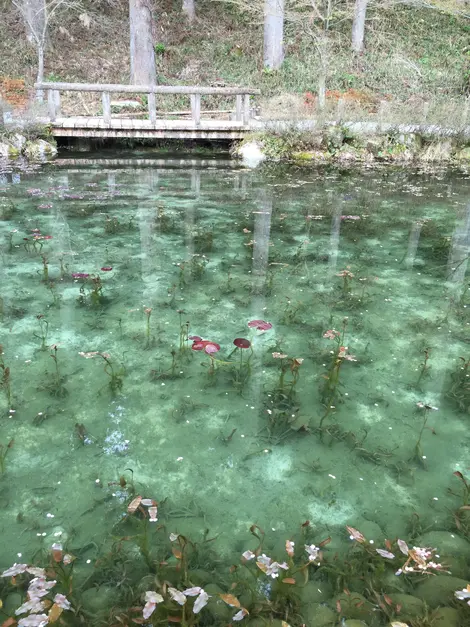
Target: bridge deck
x,y
82,126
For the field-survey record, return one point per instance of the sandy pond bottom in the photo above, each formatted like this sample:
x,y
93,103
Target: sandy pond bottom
x,y
141,257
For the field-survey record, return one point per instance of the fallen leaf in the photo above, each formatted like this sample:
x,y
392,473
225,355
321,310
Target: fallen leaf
x,y
230,600
290,580
134,504
54,613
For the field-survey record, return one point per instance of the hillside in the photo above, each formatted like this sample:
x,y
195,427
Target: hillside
x,y
413,56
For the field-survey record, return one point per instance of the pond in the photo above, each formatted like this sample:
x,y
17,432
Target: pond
x,y
283,350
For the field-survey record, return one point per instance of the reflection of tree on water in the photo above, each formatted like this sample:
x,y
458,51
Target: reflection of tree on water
x,y
459,254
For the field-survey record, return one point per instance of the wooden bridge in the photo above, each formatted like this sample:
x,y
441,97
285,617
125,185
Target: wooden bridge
x,y
105,122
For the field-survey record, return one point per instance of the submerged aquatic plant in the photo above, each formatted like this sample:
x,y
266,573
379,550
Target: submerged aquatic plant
x,y
4,450
148,313
332,378
242,344
96,293
5,380
346,275
424,409
287,364
45,269
424,369
43,330
40,587
207,346
115,375
459,389
56,386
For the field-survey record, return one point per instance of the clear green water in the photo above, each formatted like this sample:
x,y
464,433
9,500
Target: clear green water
x,y
226,246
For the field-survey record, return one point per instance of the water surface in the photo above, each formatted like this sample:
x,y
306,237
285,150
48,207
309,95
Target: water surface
x,y
209,249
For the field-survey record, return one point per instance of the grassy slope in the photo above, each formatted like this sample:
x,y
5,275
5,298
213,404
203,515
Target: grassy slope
x,y
410,53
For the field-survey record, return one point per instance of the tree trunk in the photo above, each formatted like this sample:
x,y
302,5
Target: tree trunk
x,y
273,33
358,26
40,74
189,7
34,14
142,53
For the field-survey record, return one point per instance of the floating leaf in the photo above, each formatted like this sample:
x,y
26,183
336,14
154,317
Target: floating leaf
x,y
177,553
54,613
174,619
134,504
403,546
230,600
289,580
9,622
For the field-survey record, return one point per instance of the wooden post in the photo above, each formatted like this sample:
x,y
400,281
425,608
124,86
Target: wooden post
x,y
238,108
52,103
152,106
196,108
56,93
106,100
246,109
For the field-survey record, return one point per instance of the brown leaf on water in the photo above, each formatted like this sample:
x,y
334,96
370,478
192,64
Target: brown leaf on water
x,y
289,580
465,507
174,619
57,555
141,621
9,622
338,606
230,600
134,504
54,613
325,542
177,553
388,600
388,544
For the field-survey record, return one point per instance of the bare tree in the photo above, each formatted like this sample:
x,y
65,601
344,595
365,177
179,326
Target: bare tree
x,y
189,8
142,52
273,34
38,16
358,25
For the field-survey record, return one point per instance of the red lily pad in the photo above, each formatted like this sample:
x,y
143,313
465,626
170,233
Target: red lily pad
x,y
211,347
195,338
260,325
106,269
241,342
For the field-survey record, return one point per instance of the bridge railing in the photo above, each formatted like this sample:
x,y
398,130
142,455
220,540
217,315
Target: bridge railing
x,y
242,97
